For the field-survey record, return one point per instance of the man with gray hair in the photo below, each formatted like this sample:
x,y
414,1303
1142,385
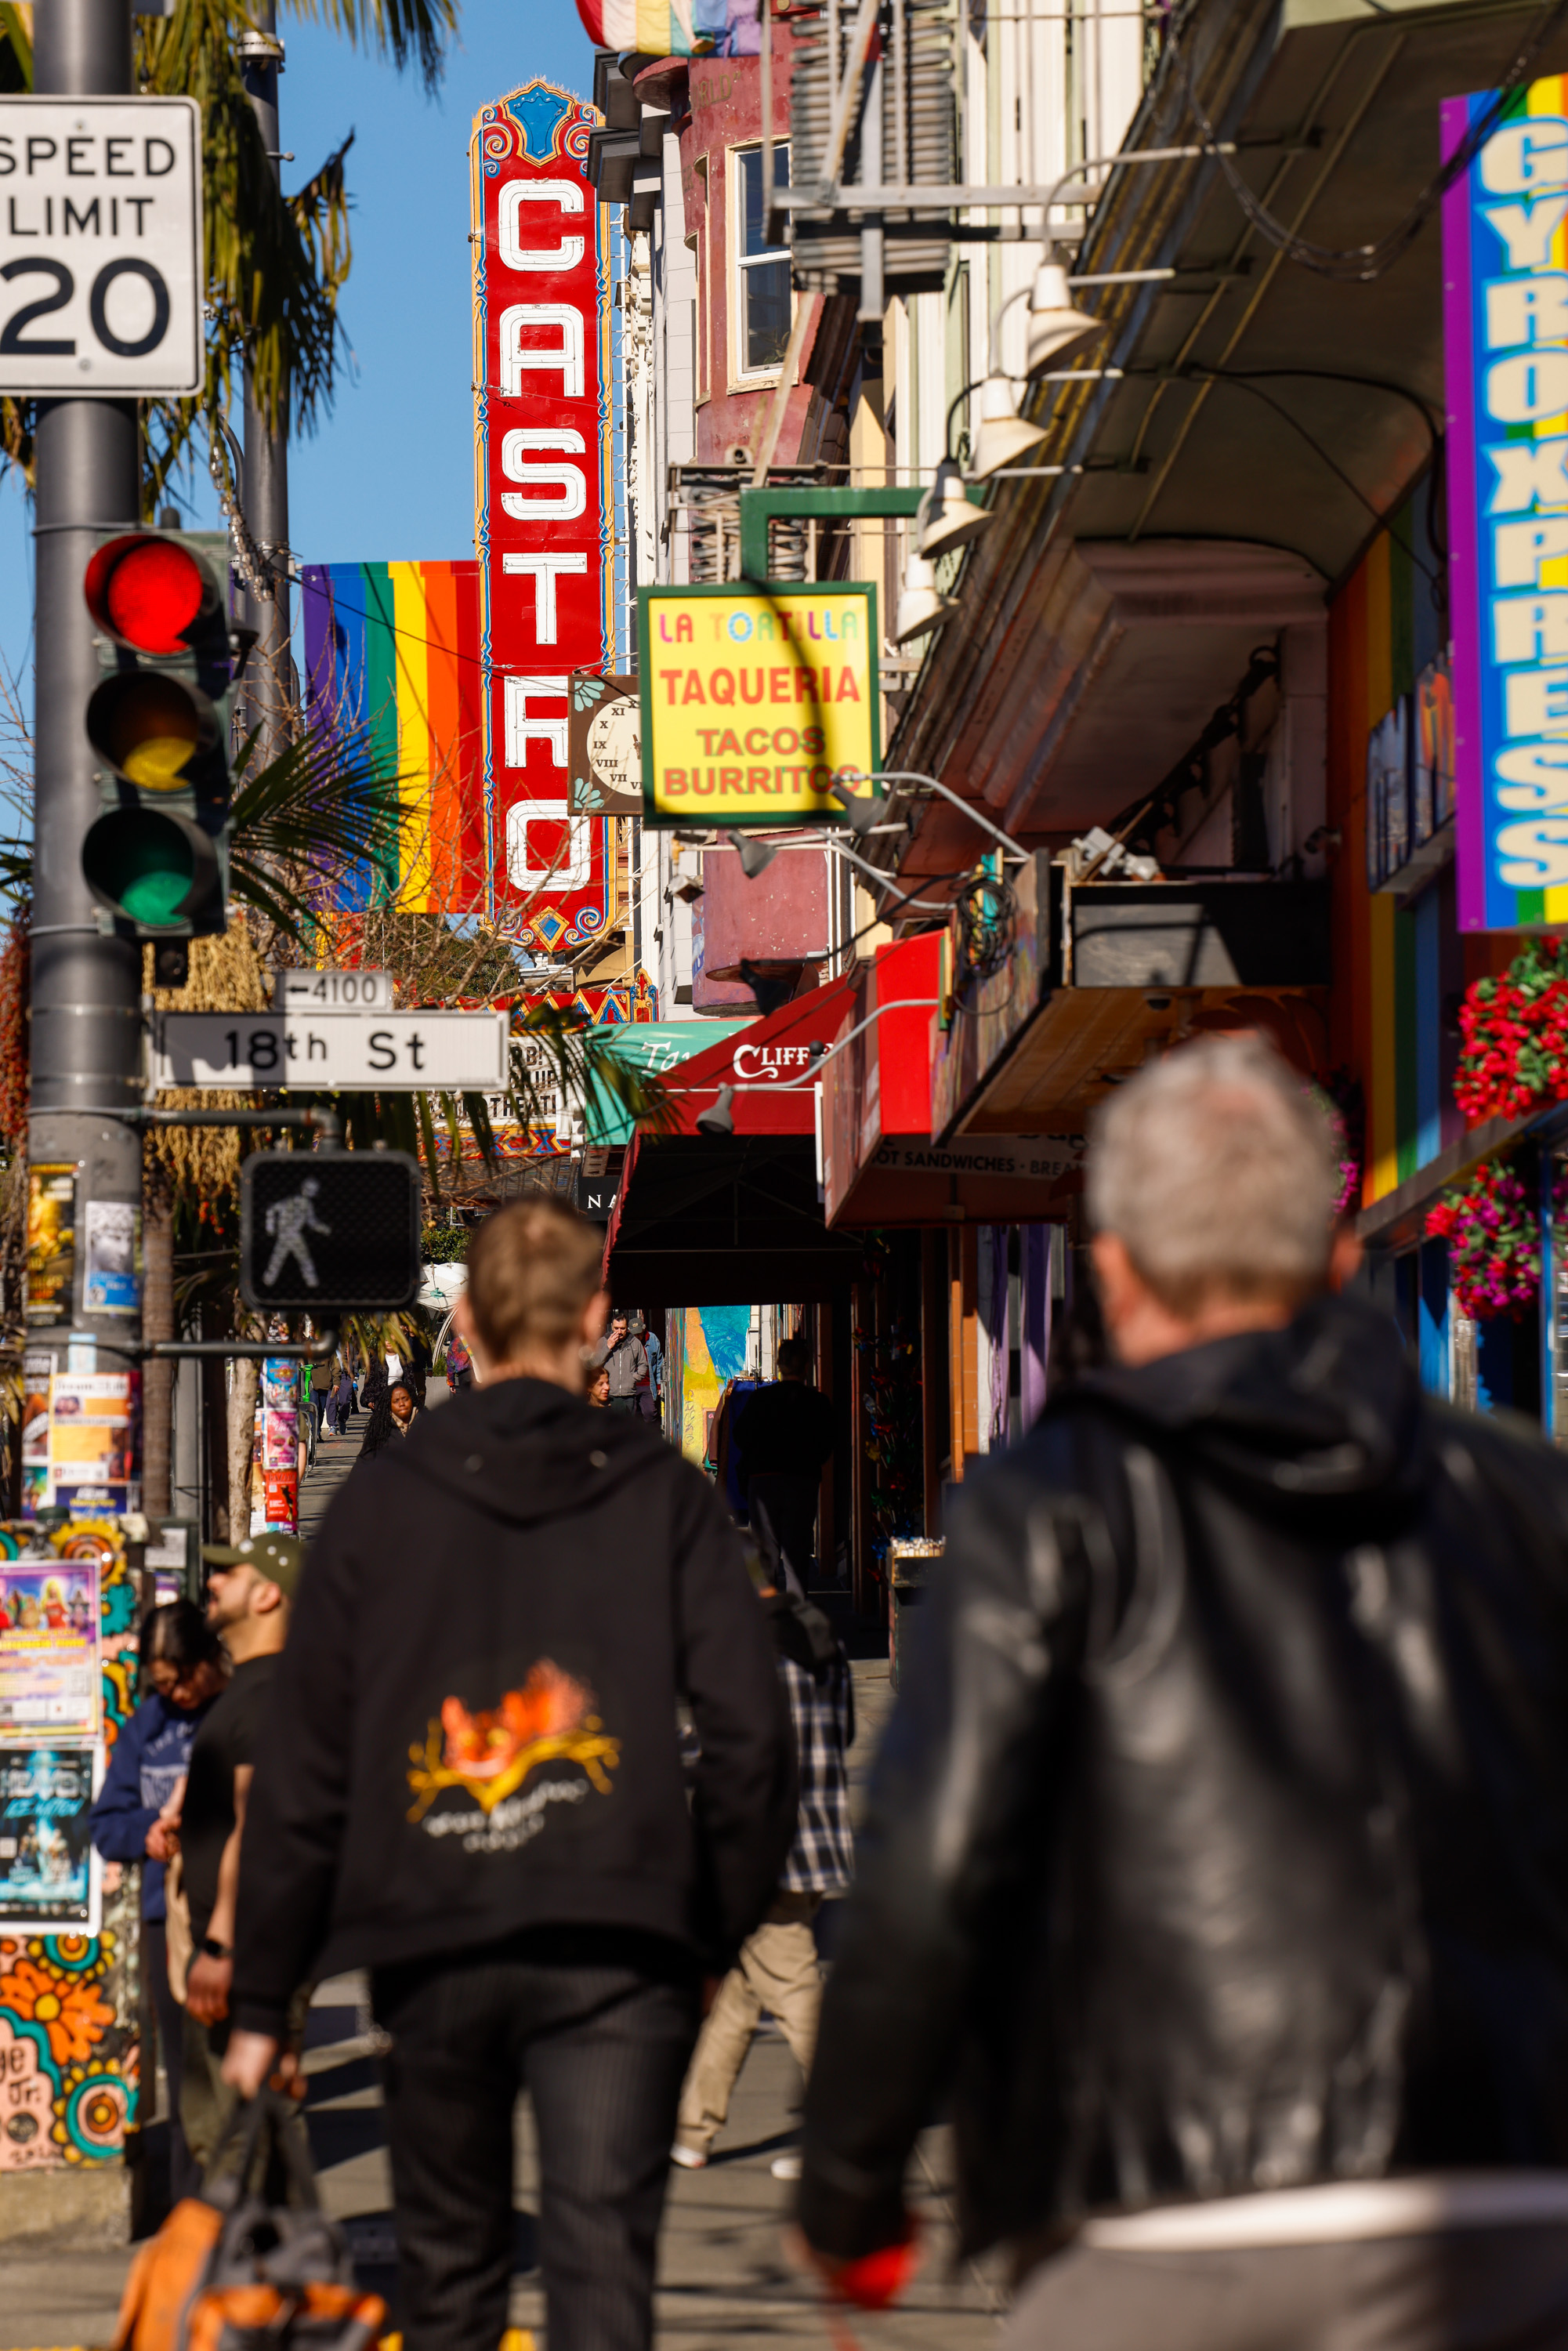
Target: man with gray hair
x,y
1217,1869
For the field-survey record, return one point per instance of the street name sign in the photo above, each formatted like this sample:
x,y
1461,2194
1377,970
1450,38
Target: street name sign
x,y
333,1053
332,991
329,1229
100,245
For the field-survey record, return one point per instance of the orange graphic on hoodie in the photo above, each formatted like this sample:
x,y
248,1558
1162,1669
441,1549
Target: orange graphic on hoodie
x,y
490,1753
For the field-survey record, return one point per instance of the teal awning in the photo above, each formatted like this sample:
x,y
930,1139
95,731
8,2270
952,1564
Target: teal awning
x,y
653,1047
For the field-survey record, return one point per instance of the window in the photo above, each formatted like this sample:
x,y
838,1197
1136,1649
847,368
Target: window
x,y
762,271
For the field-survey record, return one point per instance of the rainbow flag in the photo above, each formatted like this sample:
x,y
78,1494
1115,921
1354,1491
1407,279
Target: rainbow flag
x,y
394,649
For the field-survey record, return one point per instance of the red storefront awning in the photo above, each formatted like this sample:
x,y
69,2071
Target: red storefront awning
x,y
769,1063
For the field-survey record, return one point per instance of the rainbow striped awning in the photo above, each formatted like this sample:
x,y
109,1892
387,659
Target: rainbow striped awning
x,y
675,28
394,649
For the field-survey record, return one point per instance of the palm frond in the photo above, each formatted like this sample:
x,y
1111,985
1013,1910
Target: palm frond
x,y
403,30
15,48
300,825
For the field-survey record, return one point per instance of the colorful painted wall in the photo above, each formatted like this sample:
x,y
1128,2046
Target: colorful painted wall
x,y
713,1349
1399,968
69,2053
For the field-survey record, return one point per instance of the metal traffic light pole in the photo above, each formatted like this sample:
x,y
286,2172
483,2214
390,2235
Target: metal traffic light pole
x,y
266,474
86,1050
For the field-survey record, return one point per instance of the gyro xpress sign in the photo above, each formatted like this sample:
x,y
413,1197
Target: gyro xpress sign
x,y
753,699
1505,268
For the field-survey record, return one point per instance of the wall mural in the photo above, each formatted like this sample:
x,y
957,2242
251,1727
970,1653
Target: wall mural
x,y
69,2053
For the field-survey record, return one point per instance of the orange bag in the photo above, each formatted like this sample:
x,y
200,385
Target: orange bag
x,y
227,2272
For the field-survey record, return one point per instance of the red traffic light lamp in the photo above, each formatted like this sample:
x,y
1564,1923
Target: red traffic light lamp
x,y
152,594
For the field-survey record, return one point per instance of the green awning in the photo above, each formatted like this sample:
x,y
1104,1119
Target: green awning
x,y
653,1047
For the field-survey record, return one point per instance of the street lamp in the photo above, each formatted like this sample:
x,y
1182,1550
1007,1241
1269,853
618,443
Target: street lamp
x,y
847,776
921,608
951,520
756,856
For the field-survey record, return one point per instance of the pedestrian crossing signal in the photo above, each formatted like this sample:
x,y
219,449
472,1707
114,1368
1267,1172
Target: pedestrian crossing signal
x,y
330,1231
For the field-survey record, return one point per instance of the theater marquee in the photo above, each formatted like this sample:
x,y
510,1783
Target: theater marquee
x,y
754,699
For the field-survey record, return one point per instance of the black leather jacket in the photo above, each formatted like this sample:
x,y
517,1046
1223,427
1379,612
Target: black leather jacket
x,y
1219,1838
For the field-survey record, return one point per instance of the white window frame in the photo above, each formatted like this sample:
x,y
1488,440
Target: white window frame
x,y
740,375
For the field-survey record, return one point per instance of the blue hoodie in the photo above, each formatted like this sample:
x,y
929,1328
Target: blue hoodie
x,y
149,1757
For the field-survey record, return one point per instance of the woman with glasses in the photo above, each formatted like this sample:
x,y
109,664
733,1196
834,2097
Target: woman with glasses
x,y
183,1670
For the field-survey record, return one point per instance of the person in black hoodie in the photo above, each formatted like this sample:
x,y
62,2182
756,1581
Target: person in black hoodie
x,y
471,1783
1214,1874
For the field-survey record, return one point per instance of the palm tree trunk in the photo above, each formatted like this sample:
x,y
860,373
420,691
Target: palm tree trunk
x,y
158,1322
242,1446
214,1440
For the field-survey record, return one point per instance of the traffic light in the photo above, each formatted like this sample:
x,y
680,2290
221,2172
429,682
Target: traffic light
x,y
329,1230
159,721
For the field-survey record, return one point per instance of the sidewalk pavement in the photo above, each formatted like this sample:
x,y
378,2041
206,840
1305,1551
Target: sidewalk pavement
x,y
723,2272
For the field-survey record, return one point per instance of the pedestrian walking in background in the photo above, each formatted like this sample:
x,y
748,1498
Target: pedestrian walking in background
x,y
1214,1861
250,1586
643,1401
472,1785
599,1386
777,1969
183,1670
626,1360
459,1367
785,1435
391,1418
655,1354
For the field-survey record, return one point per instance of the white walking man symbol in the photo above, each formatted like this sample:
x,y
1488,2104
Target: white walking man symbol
x,y
289,1221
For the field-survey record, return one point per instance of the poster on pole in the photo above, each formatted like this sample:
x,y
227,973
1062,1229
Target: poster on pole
x,y
51,1241
49,1874
94,1442
543,428
48,1649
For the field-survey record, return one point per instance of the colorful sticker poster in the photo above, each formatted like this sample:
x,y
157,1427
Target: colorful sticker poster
x,y
51,1241
111,1258
38,1371
35,1488
49,1877
280,1501
48,1648
279,1439
93,1430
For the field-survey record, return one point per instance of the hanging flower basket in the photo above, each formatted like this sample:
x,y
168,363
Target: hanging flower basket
x,y
1493,1231
1515,1054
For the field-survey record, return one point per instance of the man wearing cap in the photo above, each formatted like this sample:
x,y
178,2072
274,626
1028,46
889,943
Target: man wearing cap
x,y
250,1585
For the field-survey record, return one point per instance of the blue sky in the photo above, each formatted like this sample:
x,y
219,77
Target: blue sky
x,y
390,473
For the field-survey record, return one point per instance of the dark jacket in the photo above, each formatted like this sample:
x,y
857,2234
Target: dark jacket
x,y
474,1725
1219,1840
149,1756
788,1427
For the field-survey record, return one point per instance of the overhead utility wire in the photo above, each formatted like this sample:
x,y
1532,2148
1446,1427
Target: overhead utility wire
x,y
1358,264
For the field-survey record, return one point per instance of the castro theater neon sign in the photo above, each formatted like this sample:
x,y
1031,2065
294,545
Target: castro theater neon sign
x,y
543,470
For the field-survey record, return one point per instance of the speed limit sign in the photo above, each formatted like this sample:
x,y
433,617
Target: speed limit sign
x,y
100,244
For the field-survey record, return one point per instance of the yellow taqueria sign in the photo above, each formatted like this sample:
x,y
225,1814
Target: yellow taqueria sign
x,y
753,698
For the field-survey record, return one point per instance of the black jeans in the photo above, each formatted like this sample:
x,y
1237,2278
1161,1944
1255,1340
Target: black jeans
x,y
184,2173
782,1508
599,2026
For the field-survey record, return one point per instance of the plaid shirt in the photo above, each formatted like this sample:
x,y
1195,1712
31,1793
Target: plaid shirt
x,y
822,1857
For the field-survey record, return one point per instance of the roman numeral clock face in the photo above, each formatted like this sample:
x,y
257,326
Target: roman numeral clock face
x,y
541,279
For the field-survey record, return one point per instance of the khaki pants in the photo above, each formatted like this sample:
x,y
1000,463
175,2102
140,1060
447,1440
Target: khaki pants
x,y
207,2103
776,1970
